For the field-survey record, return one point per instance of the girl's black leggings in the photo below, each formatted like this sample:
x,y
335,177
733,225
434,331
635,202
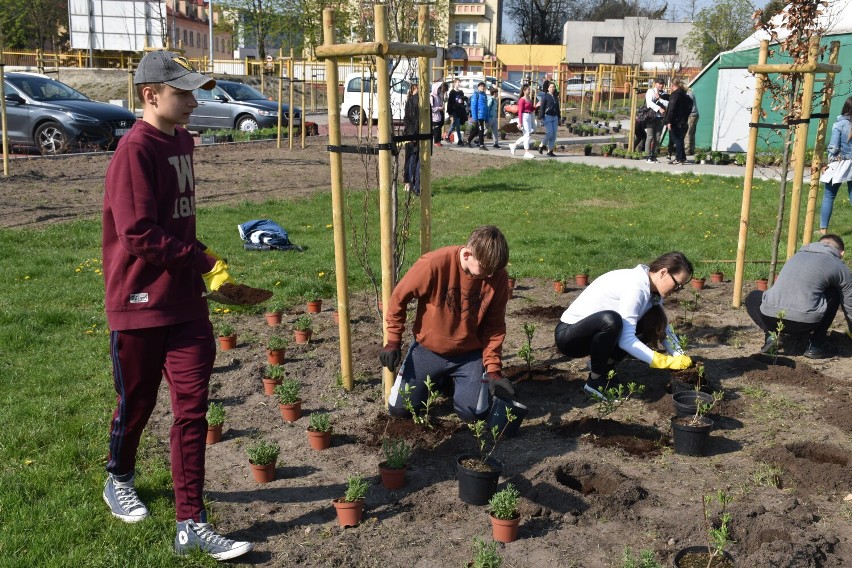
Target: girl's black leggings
x,y
596,336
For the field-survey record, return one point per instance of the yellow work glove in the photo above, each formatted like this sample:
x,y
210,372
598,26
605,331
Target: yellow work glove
x,y
212,253
674,362
218,276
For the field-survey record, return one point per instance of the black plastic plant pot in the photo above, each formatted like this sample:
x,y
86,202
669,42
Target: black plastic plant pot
x,y
477,487
691,440
686,401
697,556
497,416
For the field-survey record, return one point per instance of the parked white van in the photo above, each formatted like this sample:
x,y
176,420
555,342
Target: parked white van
x,y
359,102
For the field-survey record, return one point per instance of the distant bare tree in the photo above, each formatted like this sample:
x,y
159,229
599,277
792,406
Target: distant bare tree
x,y
539,22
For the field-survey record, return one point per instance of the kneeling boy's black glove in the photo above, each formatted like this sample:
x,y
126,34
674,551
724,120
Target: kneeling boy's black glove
x,y
390,356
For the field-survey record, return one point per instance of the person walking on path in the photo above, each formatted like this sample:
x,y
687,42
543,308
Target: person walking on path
x,y
479,114
806,295
459,327
411,126
493,108
457,111
839,169
603,321
677,119
692,124
550,113
155,274
436,101
526,120
654,127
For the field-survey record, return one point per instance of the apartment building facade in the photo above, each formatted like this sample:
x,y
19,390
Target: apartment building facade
x,y
473,31
188,29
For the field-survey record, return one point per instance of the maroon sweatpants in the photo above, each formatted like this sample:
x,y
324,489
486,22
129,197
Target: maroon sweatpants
x,y
184,353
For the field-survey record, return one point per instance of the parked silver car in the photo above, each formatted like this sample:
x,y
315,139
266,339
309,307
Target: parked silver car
x,y
53,117
232,105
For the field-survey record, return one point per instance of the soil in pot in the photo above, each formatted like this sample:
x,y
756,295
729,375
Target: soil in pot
x,y
691,440
349,514
477,479
686,401
505,530
392,478
699,556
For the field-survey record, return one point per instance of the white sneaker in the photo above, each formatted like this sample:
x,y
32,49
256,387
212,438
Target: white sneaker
x,y
528,156
512,147
201,536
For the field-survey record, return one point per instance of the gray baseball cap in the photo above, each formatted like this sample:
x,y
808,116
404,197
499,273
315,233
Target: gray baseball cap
x,y
172,69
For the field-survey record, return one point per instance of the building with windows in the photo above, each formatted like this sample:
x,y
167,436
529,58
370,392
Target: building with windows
x,y
653,44
472,33
188,29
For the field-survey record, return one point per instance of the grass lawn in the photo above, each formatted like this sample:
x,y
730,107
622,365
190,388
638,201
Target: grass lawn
x,y
56,391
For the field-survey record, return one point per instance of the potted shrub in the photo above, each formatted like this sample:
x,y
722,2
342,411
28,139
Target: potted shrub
x,y
587,150
762,284
276,347
698,282
289,402
717,276
227,336
273,316
215,420
582,278
314,302
272,376
478,475
350,507
485,555
303,329
559,285
319,431
395,465
691,434
262,457
503,510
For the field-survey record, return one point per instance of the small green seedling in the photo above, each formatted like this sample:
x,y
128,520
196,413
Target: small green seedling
x,y
478,429
224,329
215,414
303,323
719,537
288,391
614,397
504,503
432,397
276,343
645,559
485,554
274,372
263,452
775,336
320,422
702,408
397,452
356,488
525,352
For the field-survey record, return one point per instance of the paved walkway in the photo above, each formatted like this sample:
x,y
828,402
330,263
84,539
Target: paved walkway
x,y
729,170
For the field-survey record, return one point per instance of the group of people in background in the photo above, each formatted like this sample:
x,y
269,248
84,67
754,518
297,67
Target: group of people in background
x,y
675,114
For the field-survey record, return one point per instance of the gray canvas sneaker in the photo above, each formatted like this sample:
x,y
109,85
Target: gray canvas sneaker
x,y
123,501
192,535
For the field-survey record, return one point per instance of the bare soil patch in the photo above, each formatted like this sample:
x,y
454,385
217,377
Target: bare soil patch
x,y
590,487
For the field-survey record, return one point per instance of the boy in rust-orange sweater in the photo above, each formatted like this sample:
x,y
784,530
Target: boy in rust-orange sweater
x,y
460,325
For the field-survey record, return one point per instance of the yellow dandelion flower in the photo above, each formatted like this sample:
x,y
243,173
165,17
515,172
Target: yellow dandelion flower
x,y
278,283
27,277
321,274
226,311
77,270
329,226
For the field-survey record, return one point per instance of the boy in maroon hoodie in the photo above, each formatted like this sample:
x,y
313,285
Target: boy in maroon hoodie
x,y
460,326
155,272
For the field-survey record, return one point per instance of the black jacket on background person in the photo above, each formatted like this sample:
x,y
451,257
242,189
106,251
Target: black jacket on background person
x,y
549,105
680,105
